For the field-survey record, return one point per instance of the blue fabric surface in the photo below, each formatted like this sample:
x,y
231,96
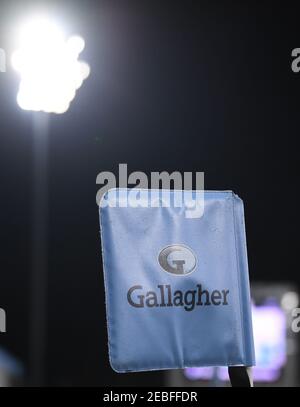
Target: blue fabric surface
x,y
177,289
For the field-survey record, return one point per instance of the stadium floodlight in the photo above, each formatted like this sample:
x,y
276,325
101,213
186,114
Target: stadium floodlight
x,y
48,65
50,74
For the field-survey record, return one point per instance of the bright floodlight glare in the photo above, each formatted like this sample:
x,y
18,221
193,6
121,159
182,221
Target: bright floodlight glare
x,y
48,66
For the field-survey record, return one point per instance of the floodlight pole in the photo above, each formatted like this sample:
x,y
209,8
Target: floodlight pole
x,y
39,265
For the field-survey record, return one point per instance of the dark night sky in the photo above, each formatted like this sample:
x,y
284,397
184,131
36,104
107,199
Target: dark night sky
x,y
187,86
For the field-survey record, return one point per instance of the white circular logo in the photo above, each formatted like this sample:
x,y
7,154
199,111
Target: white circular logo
x,y
177,259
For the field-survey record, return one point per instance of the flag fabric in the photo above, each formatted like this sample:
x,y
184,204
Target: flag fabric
x,y
176,287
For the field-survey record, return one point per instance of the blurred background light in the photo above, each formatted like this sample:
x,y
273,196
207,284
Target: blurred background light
x,y
48,66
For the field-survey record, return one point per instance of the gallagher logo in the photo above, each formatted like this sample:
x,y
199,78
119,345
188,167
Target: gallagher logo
x,y
177,259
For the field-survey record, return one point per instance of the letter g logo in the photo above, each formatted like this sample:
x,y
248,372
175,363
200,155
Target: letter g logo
x,y
177,259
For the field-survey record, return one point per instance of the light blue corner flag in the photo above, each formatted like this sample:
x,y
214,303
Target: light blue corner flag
x,y
176,287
